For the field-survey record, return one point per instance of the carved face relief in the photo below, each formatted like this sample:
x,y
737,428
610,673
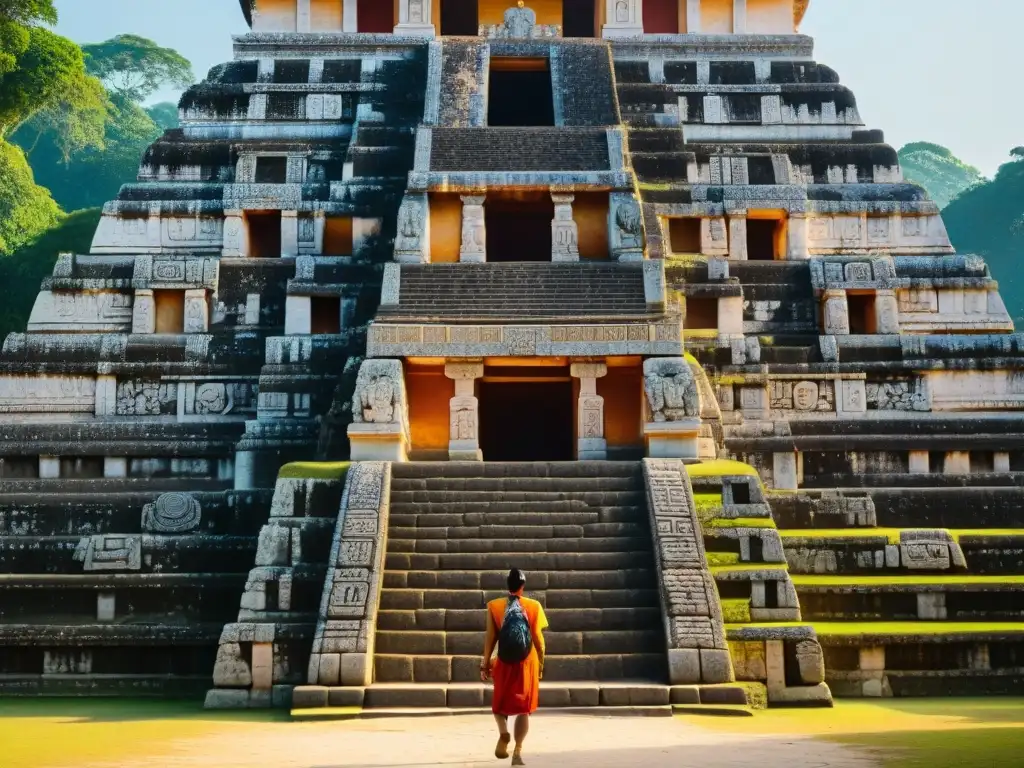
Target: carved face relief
x,y
805,396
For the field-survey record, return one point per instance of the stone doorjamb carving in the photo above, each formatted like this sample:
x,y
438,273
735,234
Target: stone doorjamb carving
x,y
591,443
464,412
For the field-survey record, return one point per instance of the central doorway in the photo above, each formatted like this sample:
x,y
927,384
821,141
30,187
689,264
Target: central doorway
x,y
519,93
519,228
527,421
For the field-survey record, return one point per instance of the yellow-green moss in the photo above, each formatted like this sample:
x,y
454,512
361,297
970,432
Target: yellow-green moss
x,y
751,567
701,333
312,470
811,580
849,628
736,610
741,522
722,559
892,534
720,468
757,694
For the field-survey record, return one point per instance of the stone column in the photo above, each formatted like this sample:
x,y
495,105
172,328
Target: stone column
x,y
738,236
836,313
412,240
289,234
796,242
144,311
918,463
692,16
590,443
730,315
236,240
887,312
1001,461
957,463
785,471
565,233
298,316
464,412
474,229
49,467
414,18
197,311
303,22
623,18
349,16
739,17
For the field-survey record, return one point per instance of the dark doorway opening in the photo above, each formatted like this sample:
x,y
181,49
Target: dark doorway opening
x,y
861,309
325,314
519,93
459,18
761,239
519,230
578,18
264,234
526,421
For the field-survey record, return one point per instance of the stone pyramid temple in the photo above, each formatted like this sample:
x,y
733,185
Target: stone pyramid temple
x,y
620,292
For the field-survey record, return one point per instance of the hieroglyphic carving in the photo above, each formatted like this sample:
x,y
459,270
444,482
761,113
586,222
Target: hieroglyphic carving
x,y
47,394
564,231
689,597
349,605
627,232
110,552
671,389
172,513
474,229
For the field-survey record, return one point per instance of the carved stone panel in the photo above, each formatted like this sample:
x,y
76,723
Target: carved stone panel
x,y
671,389
172,513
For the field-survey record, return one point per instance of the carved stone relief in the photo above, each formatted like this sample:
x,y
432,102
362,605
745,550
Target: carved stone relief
x,y
172,513
671,389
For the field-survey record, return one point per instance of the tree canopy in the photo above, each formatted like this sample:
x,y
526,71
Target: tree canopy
x,y
16,16
26,209
135,68
938,170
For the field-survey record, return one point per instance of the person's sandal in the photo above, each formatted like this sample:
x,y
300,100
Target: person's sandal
x,y
517,760
501,750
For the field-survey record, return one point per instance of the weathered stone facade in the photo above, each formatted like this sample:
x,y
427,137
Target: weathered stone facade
x,y
338,256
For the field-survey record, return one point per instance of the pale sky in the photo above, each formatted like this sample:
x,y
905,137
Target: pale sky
x,y
946,71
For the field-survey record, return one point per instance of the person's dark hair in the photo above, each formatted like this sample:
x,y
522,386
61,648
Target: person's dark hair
x,y
516,580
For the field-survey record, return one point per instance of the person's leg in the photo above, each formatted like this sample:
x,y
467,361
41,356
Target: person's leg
x,y
501,749
522,728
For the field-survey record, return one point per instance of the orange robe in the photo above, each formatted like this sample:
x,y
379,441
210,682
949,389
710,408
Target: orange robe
x,y
517,686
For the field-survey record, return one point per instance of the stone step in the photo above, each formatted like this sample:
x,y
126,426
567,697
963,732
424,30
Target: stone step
x,y
466,669
462,507
621,697
557,643
566,619
181,554
517,469
528,561
445,496
472,599
588,530
570,485
517,545
539,581
595,515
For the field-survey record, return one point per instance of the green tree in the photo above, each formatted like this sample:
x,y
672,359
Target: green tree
x,y
135,68
26,209
16,16
93,175
164,114
985,220
24,270
938,170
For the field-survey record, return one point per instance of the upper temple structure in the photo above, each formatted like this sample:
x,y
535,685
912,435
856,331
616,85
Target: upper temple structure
x,y
623,293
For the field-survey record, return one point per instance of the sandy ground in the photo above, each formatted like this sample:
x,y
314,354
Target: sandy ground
x,y
564,741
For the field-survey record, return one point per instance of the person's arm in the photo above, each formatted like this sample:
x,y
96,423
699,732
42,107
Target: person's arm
x,y
538,637
489,641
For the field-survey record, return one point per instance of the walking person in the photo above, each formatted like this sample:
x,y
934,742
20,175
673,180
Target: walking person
x,y
515,624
